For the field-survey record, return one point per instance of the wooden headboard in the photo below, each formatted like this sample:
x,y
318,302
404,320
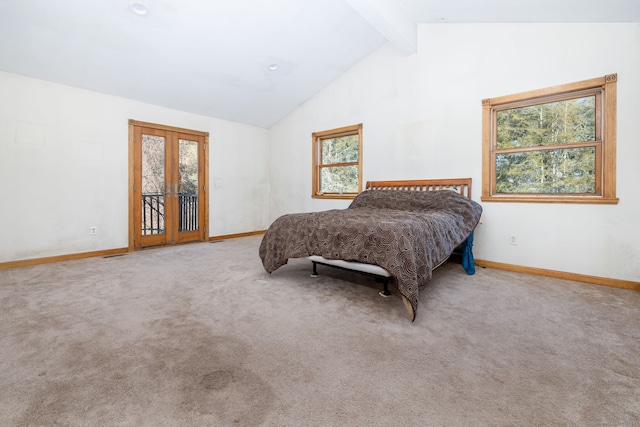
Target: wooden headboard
x,y
460,185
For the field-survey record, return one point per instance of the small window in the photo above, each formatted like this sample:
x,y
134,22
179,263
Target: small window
x,y
337,163
552,145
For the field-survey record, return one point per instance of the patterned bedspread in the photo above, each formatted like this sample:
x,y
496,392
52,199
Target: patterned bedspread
x,y
408,233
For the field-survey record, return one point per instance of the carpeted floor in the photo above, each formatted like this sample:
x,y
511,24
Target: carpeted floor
x,y
201,335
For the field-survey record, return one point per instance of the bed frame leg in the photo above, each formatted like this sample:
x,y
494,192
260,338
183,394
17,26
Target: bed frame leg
x,y
315,270
385,292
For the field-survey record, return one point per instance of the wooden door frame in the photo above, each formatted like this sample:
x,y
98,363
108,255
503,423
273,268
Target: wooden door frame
x,y
134,192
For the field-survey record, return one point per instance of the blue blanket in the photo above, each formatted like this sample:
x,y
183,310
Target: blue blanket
x,y
467,255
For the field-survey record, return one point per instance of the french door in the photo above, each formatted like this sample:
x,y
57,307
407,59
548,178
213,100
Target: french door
x,y
168,197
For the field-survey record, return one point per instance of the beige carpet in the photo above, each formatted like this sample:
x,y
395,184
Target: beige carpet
x,y
201,335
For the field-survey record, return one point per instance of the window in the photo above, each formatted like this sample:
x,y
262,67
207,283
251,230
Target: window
x,y
551,145
337,163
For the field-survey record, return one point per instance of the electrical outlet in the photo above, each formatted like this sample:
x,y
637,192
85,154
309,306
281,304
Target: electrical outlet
x,y
513,239
93,230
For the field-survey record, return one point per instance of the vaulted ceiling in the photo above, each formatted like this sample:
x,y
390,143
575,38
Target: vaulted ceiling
x,y
248,61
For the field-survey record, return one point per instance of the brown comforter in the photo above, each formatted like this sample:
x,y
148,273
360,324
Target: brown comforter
x,y
408,233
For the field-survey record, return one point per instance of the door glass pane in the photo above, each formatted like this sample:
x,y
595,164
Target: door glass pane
x,y
153,185
188,185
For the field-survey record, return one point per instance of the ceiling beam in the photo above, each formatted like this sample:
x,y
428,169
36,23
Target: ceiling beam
x,y
390,20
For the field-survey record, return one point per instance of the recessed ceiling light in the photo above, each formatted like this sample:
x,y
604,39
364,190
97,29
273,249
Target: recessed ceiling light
x,y
139,9
273,67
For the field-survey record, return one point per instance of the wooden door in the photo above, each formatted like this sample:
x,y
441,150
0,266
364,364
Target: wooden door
x,y
168,197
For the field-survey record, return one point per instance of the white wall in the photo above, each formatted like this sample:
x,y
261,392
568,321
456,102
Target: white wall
x,y
64,168
422,119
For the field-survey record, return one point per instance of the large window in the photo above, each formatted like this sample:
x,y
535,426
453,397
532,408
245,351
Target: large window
x,y
552,145
337,163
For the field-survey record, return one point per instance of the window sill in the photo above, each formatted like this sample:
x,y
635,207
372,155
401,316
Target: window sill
x,y
334,196
595,200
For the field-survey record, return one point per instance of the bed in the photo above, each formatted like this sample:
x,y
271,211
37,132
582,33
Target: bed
x,y
402,230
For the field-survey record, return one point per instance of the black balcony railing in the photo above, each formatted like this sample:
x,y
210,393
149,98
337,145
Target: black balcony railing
x,y
153,213
188,212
